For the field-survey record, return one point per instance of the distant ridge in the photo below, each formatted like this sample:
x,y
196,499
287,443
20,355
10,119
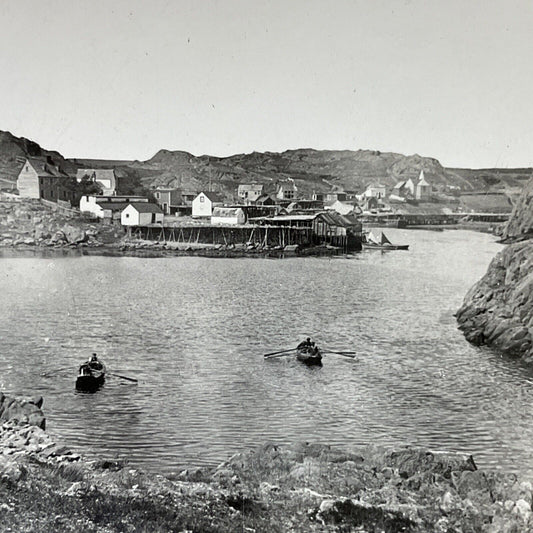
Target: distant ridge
x,y
310,169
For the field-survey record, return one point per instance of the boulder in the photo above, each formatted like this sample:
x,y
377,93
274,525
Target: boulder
x,y
74,234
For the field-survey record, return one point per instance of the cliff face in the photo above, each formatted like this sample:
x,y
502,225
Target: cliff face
x,y
498,310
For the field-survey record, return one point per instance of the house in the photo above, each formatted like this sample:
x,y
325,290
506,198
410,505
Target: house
x,y
344,231
105,177
423,188
402,191
249,192
169,200
286,191
228,215
265,199
141,214
345,208
107,207
304,205
202,205
42,178
375,190
334,196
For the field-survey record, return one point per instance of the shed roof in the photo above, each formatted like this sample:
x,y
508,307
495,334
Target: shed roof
x,y
113,206
146,207
336,219
213,196
226,211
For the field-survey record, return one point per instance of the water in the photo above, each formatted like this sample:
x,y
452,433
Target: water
x,y
194,330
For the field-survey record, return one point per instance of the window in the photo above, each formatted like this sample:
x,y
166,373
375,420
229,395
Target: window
x,y
202,199
127,215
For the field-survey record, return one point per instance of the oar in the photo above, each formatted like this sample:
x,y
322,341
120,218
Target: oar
x,y
57,371
123,377
351,355
279,353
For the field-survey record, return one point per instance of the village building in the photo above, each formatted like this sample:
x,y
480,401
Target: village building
x,y
375,190
203,204
423,188
141,214
345,208
304,205
286,191
344,231
228,215
43,179
104,177
107,208
335,196
249,192
265,199
169,200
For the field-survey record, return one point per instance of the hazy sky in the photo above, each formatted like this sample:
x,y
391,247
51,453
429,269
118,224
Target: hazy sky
x,y
122,79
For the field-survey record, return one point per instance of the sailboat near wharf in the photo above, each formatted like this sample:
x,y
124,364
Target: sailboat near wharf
x,y
379,241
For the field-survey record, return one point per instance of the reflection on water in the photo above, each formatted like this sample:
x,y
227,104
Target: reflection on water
x,y
194,331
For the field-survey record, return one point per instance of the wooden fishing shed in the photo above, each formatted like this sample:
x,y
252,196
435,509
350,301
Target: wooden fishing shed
x,y
343,231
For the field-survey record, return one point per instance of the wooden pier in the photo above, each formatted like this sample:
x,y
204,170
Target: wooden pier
x,y
260,236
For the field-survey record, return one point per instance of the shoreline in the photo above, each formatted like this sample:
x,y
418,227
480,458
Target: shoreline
x,y
303,487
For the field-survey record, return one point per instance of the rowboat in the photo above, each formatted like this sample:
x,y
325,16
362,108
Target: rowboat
x,y
310,355
381,242
91,377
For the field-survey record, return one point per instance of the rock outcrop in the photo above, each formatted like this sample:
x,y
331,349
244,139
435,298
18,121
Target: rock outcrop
x,y
22,410
498,310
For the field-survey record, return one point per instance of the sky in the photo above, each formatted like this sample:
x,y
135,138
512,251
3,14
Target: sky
x,y
119,79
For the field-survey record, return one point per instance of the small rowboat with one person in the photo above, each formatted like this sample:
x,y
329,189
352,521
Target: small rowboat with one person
x,y
309,354
91,375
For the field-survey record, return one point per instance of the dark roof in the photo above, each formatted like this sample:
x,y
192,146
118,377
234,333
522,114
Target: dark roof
x,y
45,169
146,207
113,206
213,196
336,219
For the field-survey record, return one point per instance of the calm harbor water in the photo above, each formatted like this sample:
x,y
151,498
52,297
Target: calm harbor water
x,y
194,330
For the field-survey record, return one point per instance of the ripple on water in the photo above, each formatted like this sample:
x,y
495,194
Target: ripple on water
x,y
194,331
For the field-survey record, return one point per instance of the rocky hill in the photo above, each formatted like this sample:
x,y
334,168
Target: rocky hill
x,y
311,170
498,310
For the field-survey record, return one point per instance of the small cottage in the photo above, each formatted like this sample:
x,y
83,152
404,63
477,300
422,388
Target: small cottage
x,y
105,177
345,208
344,231
141,214
203,204
105,206
249,192
228,215
375,190
169,200
286,191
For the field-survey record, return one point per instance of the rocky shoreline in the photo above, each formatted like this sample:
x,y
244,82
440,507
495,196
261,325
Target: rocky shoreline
x,y
498,309
304,487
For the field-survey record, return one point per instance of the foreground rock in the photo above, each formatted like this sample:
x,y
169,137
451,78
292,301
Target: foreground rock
x,y
303,488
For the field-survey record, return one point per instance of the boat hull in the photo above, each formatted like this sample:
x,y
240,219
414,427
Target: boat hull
x,y
309,358
90,382
367,246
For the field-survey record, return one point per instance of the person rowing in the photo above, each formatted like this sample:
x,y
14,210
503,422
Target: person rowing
x,y
94,363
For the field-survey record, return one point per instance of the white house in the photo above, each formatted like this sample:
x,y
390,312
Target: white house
x,y
103,176
375,190
101,206
141,214
344,208
287,191
203,204
249,192
228,215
